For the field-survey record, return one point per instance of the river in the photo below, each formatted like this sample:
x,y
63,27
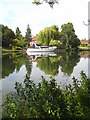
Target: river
x,y
62,67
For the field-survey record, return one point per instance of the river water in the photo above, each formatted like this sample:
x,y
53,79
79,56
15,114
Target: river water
x,y
62,67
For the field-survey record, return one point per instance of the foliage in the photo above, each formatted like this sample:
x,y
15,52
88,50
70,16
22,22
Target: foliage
x,y
49,33
22,41
50,2
17,32
83,45
7,36
19,42
51,36
47,100
53,43
68,36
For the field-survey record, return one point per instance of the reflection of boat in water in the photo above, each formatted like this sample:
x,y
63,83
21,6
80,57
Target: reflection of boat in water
x,y
40,49
34,55
40,54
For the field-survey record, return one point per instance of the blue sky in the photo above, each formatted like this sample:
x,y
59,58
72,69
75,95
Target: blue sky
x,y
19,13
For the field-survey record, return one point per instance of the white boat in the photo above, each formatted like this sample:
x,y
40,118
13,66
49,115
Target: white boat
x,y
40,49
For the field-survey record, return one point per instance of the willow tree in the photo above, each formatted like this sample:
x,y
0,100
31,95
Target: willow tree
x,y
47,34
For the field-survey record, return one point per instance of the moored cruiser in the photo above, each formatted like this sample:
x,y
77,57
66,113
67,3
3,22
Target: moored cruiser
x,y
41,49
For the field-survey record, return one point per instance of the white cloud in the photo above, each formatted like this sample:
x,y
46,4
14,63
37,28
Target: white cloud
x,y
23,12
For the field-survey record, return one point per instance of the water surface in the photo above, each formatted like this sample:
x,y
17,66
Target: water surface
x,y
62,67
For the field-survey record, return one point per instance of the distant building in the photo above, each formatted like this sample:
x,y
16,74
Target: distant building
x,y
34,41
85,42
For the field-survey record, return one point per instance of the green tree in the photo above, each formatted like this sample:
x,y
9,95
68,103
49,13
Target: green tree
x,y
49,33
17,32
7,36
28,35
22,41
19,42
69,37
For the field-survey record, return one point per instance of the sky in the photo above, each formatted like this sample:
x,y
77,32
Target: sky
x,y
20,13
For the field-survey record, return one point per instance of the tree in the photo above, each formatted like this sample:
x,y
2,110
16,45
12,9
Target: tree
x,y
17,32
28,35
22,41
19,42
49,33
7,36
68,36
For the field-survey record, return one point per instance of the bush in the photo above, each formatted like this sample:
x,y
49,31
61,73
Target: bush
x,y
47,100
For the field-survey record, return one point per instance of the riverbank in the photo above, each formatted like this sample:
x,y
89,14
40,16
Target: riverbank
x,y
4,51
84,48
10,51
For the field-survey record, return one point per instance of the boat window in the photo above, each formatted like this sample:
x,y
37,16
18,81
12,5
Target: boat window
x,y
44,46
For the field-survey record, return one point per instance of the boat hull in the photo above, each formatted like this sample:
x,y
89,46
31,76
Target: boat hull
x,y
49,49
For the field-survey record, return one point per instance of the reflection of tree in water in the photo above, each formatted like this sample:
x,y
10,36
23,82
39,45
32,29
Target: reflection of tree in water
x,y
19,60
49,65
10,62
28,65
85,54
7,65
68,62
